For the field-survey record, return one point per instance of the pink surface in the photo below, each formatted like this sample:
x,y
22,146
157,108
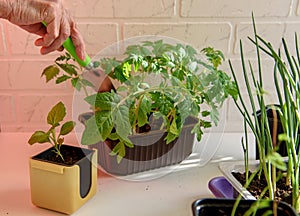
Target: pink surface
x,y
171,193
15,197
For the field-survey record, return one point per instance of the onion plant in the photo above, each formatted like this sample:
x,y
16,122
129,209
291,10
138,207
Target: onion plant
x,y
286,73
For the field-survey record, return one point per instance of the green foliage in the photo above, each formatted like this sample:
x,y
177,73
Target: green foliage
x,y
287,84
184,83
64,70
55,116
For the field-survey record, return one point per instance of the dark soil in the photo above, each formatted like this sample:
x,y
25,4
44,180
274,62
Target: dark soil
x,y
283,192
70,154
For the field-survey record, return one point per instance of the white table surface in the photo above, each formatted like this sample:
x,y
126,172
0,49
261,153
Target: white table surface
x,y
170,194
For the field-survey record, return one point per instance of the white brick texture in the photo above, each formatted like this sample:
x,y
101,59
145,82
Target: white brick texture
x,y
197,34
122,9
235,8
25,98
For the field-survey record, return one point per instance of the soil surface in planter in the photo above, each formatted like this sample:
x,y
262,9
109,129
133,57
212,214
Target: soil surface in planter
x,y
283,192
70,155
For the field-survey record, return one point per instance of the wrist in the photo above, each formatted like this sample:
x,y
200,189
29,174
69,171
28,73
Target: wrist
x,y
6,9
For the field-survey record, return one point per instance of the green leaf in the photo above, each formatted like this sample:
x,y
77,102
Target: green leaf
x,y
61,58
67,127
170,137
87,83
103,100
74,82
173,128
119,74
126,70
104,123
56,114
284,138
109,64
119,150
277,160
113,136
123,127
214,115
39,137
144,109
91,134
129,144
198,131
193,66
205,113
50,72
62,79
68,68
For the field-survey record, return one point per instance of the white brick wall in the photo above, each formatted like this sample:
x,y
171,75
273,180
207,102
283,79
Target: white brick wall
x,y
25,98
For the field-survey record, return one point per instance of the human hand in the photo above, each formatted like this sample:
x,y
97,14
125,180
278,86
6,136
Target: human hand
x,y
29,15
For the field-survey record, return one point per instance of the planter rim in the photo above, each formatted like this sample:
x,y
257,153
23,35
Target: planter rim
x,y
225,203
238,166
86,152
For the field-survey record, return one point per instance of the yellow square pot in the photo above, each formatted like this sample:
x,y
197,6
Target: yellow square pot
x,y
59,187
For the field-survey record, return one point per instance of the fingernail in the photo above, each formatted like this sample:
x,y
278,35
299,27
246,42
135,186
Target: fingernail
x,y
38,43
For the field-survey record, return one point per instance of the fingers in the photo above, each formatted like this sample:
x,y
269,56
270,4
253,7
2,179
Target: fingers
x,y
67,28
78,42
51,42
38,29
53,18
30,14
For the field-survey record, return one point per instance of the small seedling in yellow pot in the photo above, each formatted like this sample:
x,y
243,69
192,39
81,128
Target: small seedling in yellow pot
x,y
63,177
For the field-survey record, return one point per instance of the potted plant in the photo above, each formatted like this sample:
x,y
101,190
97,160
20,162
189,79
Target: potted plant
x,y
280,175
224,207
162,94
63,177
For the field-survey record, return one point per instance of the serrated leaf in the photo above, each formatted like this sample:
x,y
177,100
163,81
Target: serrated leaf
x,y
173,128
39,137
60,58
104,123
68,68
214,115
67,127
198,131
56,114
103,100
62,79
91,134
74,81
126,69
50,72
170,137
118,73
123,127
144,109
118,150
